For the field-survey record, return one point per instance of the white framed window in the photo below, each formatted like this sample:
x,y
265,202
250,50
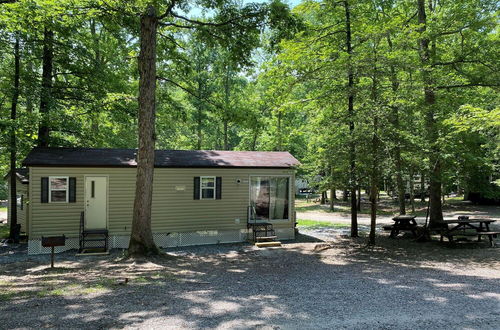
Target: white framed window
x,y
270,198
58,189
207,187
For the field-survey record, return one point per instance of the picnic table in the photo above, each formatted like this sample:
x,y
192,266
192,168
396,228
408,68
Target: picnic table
x,y
404,222
468,227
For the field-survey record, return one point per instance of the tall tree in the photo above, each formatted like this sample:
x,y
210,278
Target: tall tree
x,y
400,187
46,89
141,238
14,232
247,20
350,114
436,213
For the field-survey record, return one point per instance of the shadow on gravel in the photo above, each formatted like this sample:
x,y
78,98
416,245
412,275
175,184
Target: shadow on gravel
x,y
396,284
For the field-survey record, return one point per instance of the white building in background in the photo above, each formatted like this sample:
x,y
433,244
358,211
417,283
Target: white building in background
x,y
301,185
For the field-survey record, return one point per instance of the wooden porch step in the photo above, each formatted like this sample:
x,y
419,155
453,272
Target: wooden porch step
x,y
265,238
268,244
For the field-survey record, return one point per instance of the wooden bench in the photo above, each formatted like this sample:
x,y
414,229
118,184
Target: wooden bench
x,y
403,223
490,234
468,227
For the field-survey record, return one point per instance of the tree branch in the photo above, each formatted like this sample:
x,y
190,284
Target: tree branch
x,y
233,20
187,90
168,11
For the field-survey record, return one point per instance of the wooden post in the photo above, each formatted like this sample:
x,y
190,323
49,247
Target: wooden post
x,y
52,257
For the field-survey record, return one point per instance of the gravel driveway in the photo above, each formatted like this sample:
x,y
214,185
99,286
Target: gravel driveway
x,y
308,283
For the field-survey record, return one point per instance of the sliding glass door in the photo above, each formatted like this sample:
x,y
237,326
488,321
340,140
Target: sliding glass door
x,y
269,197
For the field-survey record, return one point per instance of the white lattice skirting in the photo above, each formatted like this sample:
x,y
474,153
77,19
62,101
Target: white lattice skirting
x,y
166,240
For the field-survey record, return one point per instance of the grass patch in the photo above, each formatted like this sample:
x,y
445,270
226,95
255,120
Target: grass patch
x,y
141,279
7,295
313,224
455,199
339,207
4,231
103,285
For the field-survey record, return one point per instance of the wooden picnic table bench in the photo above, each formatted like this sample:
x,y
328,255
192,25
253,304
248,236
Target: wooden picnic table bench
x,y
403,222
468,227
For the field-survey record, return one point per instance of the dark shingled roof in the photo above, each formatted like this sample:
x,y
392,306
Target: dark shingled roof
x,y
86,157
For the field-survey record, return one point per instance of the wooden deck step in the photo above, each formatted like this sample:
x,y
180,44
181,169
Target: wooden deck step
x,y
265,238
268,244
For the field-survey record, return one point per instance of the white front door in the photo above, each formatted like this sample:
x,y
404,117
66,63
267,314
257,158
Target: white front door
x,y
96,202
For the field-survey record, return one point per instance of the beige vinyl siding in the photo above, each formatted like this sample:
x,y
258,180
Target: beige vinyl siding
x,y
22,215
174,209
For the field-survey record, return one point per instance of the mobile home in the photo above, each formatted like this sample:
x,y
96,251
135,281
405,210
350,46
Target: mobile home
x,y
199,197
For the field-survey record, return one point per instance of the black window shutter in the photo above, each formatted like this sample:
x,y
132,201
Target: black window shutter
x,y
44,196
196,187
72,190
218,187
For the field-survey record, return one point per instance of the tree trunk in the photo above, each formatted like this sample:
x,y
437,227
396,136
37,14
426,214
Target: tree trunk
x,y
254,139
344,195
397,148
358,205
227,105
350,114
374,183
46,90
435,213
199,119
141,238
30,97
226,139
332,194
280,138
422,187
374,151
412,191
323,198
14,233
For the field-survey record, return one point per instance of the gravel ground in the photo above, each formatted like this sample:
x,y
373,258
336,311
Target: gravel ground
x,y
322,280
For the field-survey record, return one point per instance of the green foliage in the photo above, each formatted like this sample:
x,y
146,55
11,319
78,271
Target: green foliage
x,y
264,77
